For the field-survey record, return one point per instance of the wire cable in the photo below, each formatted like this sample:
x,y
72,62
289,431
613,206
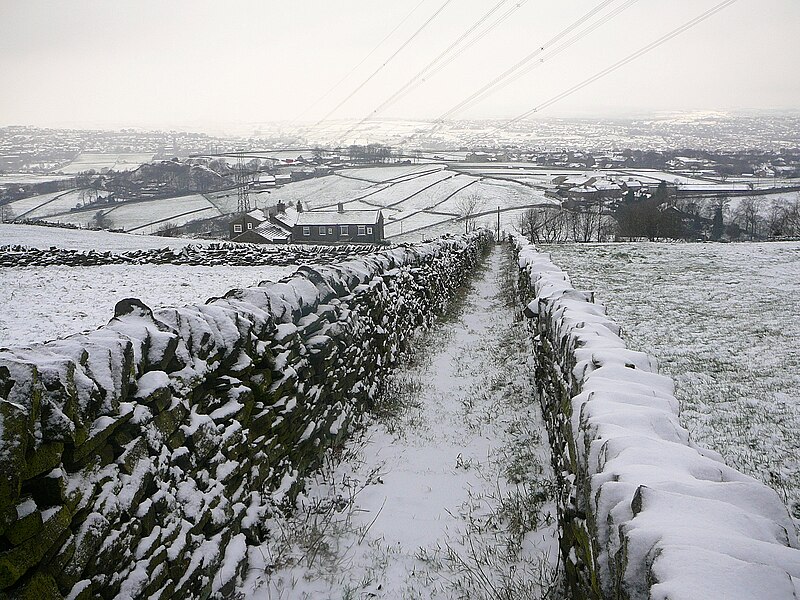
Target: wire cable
x,y
428,69
386,62
363,60
546,57
516,67
608,70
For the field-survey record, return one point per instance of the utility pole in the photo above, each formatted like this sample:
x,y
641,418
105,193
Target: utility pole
x,y
242,185
498,223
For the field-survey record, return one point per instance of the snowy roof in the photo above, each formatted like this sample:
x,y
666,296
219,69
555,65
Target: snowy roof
x,y
271,231
602,184
349,217
288,217
257,213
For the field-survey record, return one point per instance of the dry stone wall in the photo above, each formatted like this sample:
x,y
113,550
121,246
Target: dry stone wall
x,y
645,513
140,460
245,255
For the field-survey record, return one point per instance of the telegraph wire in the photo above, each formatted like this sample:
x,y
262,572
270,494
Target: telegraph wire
x,y
480,36
608,70
386,62
544,58
516,67
513,70
363,60
427,71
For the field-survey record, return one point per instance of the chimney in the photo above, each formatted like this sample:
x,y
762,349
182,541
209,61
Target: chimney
x,y
341,207
281,206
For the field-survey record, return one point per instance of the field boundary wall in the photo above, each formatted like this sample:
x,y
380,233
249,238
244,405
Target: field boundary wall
x,y
233,254
644,512
142,460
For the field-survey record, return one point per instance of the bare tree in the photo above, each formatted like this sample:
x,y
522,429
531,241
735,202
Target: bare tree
x,y
784,220
101,220
546,225
467,208
6,214
530,222
747,215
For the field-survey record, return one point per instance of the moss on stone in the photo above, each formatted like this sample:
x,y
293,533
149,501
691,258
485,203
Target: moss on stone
x,y
16,562
76,457
44,458
24,528
40,586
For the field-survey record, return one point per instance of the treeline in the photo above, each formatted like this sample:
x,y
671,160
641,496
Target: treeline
x,y
661,216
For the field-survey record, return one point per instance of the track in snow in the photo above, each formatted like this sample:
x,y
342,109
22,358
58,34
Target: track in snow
x,y
448,496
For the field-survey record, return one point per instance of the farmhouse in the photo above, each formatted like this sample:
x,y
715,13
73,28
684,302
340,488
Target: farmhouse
x,y
282,225
245,222
331,227
265,233
270,226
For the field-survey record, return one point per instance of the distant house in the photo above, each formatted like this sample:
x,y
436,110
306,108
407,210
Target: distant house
x,y
265,233
338,227
245,222
264,181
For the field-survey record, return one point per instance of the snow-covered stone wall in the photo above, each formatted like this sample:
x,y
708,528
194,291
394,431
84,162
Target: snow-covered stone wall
x,y
645,513
245,255
141,460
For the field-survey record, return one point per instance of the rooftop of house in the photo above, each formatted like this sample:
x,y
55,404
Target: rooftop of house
x,y
271,231
348,217
257,213
287,217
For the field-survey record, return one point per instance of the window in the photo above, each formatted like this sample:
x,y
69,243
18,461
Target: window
x,y
362,230
249,225
330,230
237,228
369,230
322,230
344,230
306,230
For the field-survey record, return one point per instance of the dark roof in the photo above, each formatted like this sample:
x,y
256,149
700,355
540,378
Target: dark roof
x,y
350,217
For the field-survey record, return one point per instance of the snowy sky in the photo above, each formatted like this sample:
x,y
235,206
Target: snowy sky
x,y
198,63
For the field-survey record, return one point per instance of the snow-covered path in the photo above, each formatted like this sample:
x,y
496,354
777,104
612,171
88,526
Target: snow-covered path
x,y
448,493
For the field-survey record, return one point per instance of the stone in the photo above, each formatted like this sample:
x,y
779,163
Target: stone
x,y
154,390
16,562
19,410
40,586
81,590
24,528
131,455
42,459
99,433
87,540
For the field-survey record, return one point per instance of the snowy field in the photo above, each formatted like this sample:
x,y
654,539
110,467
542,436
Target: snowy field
x,y
35,236
44,205
98,161
419,201
6,178
45,303
321,191
145,216
724,322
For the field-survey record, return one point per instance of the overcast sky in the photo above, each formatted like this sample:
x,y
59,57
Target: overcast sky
x,y
198,63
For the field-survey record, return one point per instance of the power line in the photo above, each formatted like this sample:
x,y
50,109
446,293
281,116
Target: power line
x,y
428,70
509,72
386,62
363,60
544,58
631,57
